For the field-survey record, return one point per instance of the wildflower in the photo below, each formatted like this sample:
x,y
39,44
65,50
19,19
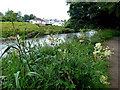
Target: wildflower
x,y
97,44
59,50
103,80
96,52
49,37
81,40
65,51
107,53
18,36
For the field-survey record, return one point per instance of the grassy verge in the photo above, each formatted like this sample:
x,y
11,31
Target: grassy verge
x,y
31,29
104,35
71,64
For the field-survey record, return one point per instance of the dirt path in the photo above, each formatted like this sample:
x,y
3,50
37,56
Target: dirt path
x,y
114,65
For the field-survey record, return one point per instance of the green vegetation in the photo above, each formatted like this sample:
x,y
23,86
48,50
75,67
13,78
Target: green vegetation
x,y
16,16
104,35
79,63
31,29
94,15
70,64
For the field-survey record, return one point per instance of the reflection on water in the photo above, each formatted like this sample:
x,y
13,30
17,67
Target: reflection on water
x,y
4,44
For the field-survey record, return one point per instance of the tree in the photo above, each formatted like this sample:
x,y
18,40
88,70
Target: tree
x,y
1,14
10,15
100,14
32,16
26,17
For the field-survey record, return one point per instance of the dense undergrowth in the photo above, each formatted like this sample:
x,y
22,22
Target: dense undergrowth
x,y
70,64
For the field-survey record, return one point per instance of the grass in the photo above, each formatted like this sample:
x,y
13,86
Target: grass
x,y
31,29
104,35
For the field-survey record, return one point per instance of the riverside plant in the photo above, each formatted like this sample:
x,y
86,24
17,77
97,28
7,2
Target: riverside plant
x,y
67,65
70,65
100,53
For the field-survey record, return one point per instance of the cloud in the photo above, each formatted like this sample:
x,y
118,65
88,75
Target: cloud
x,y
41,8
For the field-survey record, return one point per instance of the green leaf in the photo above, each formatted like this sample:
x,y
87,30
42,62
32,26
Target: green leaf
x,y
35,74
17,79
8,48
4,37
34,37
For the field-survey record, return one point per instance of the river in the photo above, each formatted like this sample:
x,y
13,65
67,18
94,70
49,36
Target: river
x,y
4,44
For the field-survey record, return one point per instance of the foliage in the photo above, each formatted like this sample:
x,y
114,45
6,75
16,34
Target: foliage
x,y
16,16
31,29
104,35
90,15
67,65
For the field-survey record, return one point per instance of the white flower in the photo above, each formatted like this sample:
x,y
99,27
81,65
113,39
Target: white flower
x,y
107,53
18,36
96,52
81,40
97,44
49,37
103,80
59,50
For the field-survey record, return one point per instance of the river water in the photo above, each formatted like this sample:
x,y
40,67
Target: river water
x,y
4,44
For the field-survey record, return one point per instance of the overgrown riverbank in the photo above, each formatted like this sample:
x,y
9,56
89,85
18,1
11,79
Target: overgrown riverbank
x,y
31,30
72,64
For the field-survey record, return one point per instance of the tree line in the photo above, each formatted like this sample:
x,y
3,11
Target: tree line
x,y
94,14
16,16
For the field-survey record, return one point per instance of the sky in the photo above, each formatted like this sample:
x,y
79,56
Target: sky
x,y
48,9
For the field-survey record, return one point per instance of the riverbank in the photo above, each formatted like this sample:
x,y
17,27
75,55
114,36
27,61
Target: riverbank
x,y
31,30
71,64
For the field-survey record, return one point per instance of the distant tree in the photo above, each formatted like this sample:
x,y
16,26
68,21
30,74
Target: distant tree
x,y
32,16
26,17
10,15
19,17
1,14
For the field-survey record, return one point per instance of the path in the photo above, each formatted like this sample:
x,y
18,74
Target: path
x,y
114,65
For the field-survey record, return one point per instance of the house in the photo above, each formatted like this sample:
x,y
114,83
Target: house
x,y
39,21
58,23
54,22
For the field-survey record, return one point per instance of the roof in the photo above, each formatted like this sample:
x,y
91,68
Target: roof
x,y
38,19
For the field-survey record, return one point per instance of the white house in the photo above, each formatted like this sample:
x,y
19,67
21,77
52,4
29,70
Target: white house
x,y
58,23
38,21
54,22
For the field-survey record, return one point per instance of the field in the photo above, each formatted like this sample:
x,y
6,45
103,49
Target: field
x,y
30,29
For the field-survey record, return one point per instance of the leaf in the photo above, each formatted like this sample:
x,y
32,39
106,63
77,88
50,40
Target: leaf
x,y
3,77
35,74
17,79
31,86
4,37
7,50
23,35
34,38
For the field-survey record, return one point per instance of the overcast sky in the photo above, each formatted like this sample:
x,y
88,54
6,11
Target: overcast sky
x,y
49,9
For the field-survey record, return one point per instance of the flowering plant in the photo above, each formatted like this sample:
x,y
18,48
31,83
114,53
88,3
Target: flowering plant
x,y
99,52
